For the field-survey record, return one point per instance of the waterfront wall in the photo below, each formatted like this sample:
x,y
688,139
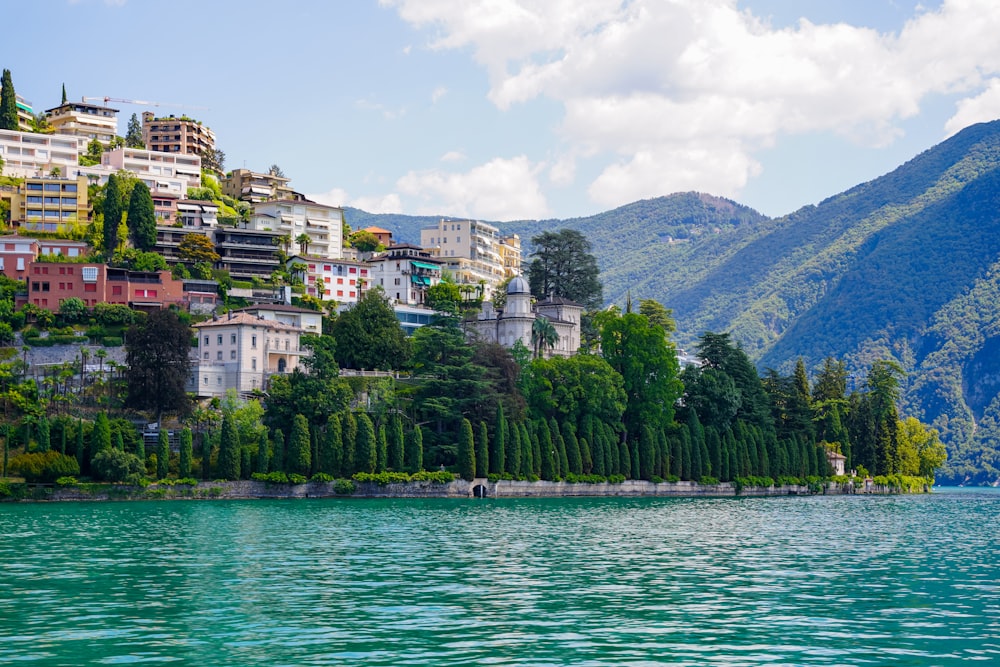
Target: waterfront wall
x,y
456,489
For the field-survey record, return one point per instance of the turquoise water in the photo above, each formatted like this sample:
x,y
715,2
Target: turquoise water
x,y
911,580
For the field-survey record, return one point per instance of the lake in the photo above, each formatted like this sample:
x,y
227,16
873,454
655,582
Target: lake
x,y
846,580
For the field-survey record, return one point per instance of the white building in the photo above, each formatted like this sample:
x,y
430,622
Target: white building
x,y
155,165
82,119
324,225
515,321
474,252
340,280
241,351
310,321
30,155
405,272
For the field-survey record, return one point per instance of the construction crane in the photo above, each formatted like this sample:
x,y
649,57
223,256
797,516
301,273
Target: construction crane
x,y
144,103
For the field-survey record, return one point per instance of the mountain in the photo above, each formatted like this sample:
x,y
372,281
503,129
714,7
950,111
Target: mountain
x,y
906,266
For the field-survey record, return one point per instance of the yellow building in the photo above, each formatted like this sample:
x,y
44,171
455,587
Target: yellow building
x,y
50,204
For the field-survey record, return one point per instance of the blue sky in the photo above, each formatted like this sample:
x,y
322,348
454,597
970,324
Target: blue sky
x,y
512,109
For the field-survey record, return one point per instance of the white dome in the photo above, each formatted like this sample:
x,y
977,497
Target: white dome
x,y
518,285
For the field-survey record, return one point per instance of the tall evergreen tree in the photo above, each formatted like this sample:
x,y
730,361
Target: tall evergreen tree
x,y
414,454
141,218
119,442
229,450
163,455
527,451
44,434
573,456
365,456
396,443
350,465
133,136
186,454
466,452
8,103
562,459
63,94
332,458
382,449
597,447
100,437
498,446
482,450
278,458
114,208
647,452
299,446
547,451
512,448
625,459
206,456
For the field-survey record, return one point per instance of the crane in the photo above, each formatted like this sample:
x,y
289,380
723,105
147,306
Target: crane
x,y
107,99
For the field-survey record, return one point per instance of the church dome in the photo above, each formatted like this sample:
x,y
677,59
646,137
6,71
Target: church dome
x,y
518,285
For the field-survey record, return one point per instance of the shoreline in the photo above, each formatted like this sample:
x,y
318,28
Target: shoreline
x,y
478,488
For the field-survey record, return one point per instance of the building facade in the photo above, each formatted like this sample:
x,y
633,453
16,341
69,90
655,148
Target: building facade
x,y
179,135
340,280
514,323
51,282
405,272
241,351
248,253
156,165
26,154
473,252
82,119
254,187
50,204
322,225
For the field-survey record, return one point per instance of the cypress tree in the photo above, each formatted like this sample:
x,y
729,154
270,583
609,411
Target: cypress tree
x,y
382,453
119,442
536,453
229,450
561,458
598,448
141,218
186,454
44,434
80,452
513,449
8,103
113,210
100,437
612,460
685,452
647,452
548,456
64,95
574,456
733,456
331,461
206,456
696,462
6,450
299,456
706,462
482,450
527,451
664,443
586,433
263,452
278,458
350,444
365,456
246,463
624,459
396,443
163,455
62,439
466,452
634,450
714,445
414,454
498,451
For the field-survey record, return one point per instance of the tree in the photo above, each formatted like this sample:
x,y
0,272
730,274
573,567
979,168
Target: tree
x,y
263,452
113,211
366,456
543,336
213,159
498,448
158,363
563,267
100,436
141,218
396,455
119,467
303,240
186,454
414,450
482,450
196,248
466,452
163,455
73,309
658,315
299,449
229,450
8,103
275,170
133,136
63,94
444,297
369,336
364,241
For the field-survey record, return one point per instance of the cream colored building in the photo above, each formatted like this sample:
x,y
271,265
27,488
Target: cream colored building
x,y
514,323
405,272
473,252
254,187
155,165
82,119
26,154
241,351
324,225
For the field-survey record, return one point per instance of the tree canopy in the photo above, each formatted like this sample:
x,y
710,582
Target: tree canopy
x,y
158,363
563,267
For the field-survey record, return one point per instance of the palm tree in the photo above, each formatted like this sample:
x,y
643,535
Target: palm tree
x,y
543,335
303,241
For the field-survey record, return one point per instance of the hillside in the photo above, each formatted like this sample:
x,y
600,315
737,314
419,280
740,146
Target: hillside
x,y
906,266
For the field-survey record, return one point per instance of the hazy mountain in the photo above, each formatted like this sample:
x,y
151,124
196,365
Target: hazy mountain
x,y
906,266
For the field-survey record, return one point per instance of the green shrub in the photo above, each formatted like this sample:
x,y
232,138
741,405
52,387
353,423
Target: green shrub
x,y
112,341
66,481
276,477
44,467
295,478
673,479
436,477
344,487
708,480
656,479
117,466
572,478
616,479
321,477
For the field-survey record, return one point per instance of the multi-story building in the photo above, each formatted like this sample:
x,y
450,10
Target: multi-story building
x,y
310,321
51,282
340,280
192,217
173,134
384,236
26,154
241,351
255,187
248,253
322,225
197,214
154,164
50,204
82,119
405,272
514,323
16,254
472,252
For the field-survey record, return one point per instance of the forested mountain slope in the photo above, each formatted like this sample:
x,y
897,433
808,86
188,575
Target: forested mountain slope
x,y
906,266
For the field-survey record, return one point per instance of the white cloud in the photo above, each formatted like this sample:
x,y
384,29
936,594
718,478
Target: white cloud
x,y
501,189
332,197
453,156
389,203
981,108
387,113
438,93
683,93
563,172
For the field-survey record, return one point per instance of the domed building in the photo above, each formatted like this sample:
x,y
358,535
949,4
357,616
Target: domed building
x,y
514,322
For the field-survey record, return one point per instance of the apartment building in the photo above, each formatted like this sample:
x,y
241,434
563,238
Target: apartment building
x,y
49,204
26,154
50,283
474,252
156,165
248,253
241,351
172,134
16,254
82,119
310,321
405,272
254,187
323,225
340,280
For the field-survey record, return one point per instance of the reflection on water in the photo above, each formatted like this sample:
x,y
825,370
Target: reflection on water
x,y
909,580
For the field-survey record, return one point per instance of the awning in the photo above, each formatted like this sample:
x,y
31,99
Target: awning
x,y
425,265
420,280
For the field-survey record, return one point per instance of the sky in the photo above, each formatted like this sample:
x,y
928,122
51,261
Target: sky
x,y
532,109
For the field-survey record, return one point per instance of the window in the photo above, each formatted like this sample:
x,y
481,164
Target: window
x,y
395,283
253,342
354,270
232,355
218,381
219,341
206,380
116,290
218,355
253,364
45,287
232,338
205,356
206,340
340,281
90,287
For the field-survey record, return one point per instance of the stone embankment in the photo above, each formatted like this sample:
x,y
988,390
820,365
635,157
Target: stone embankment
x,y
481,488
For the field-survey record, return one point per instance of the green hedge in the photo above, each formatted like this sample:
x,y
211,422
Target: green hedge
x,y
55,340
112,341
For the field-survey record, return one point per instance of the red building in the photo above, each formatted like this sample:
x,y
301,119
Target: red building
x,y
50,283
